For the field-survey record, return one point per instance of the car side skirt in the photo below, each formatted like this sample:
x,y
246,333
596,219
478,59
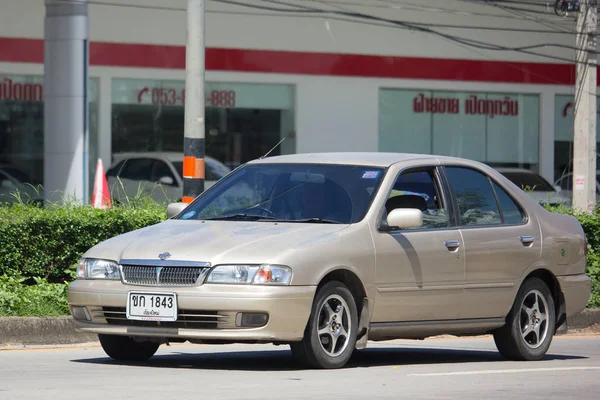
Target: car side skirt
x,y
421,329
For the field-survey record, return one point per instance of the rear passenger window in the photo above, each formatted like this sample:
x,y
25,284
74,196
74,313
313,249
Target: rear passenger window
x,y
510,211
476,200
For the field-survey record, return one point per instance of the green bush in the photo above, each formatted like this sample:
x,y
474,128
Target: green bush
x,y
46,242
591,226
41,299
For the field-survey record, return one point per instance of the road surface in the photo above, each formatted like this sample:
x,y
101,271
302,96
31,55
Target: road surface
x,y
441,369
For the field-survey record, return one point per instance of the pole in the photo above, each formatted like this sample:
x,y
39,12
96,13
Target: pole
x,y
65,101
193,140
584,141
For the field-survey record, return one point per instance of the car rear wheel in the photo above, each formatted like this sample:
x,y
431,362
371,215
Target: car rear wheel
x,y
123,348
330,334
530,324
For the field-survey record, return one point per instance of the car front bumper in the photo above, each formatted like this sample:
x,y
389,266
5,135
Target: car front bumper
x,y
205,312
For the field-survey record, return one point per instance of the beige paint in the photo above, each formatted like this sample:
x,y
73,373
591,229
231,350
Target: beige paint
x,y
416,287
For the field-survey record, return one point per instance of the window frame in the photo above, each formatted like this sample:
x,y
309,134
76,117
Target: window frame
x,y
442,183
490,180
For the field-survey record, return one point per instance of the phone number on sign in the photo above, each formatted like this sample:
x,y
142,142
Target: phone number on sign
x,y
170,96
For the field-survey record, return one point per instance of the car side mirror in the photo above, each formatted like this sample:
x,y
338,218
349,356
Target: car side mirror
x,y
405,218
166,180
174,209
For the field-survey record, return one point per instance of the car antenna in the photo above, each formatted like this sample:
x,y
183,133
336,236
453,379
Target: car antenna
x,y
274,147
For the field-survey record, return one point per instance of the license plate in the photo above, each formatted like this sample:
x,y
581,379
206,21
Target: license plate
x,y
152,306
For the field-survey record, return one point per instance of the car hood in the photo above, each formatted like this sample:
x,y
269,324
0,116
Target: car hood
x,y
217,241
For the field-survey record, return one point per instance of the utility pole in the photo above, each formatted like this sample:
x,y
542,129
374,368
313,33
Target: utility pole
x,y
193,140
65,101
584,141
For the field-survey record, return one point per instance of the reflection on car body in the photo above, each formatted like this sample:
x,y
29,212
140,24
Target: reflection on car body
x,y
326,251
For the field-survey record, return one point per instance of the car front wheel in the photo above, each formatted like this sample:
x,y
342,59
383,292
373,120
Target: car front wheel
x,y
123,348
530,324
330,335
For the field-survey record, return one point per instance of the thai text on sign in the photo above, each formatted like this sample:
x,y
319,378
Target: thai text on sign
x,y
17,91
473,106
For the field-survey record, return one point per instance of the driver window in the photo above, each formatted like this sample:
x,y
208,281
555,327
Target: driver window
x,y
420,189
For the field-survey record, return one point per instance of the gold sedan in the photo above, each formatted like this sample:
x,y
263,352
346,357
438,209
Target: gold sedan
x,y
327,251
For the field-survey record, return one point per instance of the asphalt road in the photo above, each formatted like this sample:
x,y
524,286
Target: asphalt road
x,y
441,369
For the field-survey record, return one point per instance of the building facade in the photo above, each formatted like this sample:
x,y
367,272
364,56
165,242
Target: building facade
x,y
324,82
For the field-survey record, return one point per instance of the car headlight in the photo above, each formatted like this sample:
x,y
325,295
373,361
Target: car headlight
x,y
251,274
90,268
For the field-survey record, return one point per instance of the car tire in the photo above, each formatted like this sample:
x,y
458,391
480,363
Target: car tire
x,y
530,323
123,348
330,335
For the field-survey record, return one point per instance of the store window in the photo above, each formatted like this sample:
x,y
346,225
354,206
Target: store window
x,y
22,127
243,120
563,140
500,129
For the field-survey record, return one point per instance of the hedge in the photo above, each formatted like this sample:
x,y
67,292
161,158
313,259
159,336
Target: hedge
x,y
40,247
47,242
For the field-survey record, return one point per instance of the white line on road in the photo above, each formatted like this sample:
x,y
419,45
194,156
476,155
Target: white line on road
x,y
506,371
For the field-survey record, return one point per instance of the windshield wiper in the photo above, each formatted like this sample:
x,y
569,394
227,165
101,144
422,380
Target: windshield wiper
x,y
251,217
315,220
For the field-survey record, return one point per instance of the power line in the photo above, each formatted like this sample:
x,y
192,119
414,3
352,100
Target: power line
x,y
411,26
276,14
355,17
515,11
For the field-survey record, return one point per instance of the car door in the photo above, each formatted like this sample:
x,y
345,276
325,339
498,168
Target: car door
x,y
420,271
500,241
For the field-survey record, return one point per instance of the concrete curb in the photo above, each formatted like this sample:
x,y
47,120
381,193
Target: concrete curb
x,y
41,331
27,331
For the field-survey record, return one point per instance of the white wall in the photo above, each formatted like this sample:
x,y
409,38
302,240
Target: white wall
x,y
140,23
332,113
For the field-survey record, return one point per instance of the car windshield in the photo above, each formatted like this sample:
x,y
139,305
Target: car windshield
x,y
291,193
529,181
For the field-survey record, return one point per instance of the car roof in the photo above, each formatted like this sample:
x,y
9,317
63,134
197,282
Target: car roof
x,y
172,156
379,159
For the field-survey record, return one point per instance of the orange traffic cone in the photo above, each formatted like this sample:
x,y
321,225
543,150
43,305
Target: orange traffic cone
x,y
101,195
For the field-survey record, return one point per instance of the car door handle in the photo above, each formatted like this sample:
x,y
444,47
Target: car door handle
x,y
527,240
451,244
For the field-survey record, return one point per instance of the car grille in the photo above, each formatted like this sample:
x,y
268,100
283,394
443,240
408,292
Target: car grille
x,y
192,319
162,276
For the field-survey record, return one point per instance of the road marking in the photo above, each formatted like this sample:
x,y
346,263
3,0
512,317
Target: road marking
x,y
507,371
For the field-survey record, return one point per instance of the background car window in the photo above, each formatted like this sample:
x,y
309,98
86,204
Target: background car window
x,y
476,201
161,170
510,211
137,169
418,189
529,181
114,171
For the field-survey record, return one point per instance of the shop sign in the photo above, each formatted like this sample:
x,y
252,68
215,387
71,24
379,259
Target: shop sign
x,y
472,106
173,96
30,88
20,91
217,94
564,107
